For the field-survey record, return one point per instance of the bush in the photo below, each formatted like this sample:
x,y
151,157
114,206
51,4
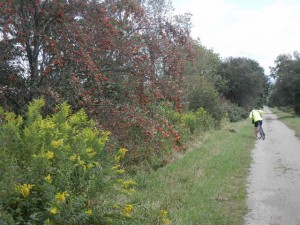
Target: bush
x,y
198,121
203,94
172,133
235,113
54,170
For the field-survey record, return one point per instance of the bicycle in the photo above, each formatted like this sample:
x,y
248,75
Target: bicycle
x,y
260,134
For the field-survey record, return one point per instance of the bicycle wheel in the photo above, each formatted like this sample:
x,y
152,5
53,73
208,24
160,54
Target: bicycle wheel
x,y
258,134
262,133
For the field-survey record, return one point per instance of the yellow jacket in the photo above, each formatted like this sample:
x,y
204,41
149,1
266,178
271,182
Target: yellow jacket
x,y
256,114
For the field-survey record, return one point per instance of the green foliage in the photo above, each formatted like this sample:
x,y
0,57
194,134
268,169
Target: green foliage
x,y
286,92
235,113
203,94
172,115
189,122
53,170
206,63
172,136
197,121
202,83
247,86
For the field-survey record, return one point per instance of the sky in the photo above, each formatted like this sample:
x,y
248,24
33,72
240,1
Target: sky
x,y
257,29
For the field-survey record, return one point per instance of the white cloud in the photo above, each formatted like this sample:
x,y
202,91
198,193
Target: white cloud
x,y
260,32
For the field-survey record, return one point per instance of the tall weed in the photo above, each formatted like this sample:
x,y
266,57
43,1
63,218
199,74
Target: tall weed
x,y
54,170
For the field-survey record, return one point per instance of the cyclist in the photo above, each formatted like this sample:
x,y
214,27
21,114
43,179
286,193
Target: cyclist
x,y
256,116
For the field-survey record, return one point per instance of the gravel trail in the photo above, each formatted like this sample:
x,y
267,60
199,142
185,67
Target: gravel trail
x,y
274,178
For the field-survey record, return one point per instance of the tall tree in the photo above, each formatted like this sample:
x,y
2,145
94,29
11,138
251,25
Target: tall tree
x,y
246,82
31,38
286,91
202,82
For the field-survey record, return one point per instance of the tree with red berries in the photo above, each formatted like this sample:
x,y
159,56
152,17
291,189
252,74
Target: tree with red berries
x,y
118,59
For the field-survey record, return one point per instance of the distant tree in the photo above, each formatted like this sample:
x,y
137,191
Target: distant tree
x,y
206,62
246,82
286,90
202,82
203,94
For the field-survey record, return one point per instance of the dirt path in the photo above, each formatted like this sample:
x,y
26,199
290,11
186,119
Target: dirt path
x,y
274,179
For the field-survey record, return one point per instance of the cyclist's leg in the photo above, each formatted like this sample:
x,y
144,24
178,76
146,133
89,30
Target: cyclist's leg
x,y
256,128
260,125
262,130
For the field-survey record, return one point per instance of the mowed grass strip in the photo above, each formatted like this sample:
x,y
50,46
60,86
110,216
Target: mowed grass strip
x,y
291,120
206,186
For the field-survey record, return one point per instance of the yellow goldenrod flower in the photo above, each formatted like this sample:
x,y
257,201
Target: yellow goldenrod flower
x,y
121,155
115,167
47,124
48,178
61,197
166,221
57,144
53,210
89,212
90,152
89,166
129,191
24,189
127,210
106,133
163,213
49,155
128,183
101,141
122,152
164,217
73,157
118,158
104,138
80,162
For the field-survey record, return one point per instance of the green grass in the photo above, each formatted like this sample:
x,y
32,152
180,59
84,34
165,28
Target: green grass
x,y
291,120
206,186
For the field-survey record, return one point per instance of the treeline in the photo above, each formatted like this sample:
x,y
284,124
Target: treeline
x,y
286,90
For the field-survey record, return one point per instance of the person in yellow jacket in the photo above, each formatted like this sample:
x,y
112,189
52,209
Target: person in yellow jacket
x,y
256,117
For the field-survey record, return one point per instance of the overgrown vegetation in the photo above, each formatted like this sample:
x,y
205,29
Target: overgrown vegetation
x,y
286,91
136,58
54,171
